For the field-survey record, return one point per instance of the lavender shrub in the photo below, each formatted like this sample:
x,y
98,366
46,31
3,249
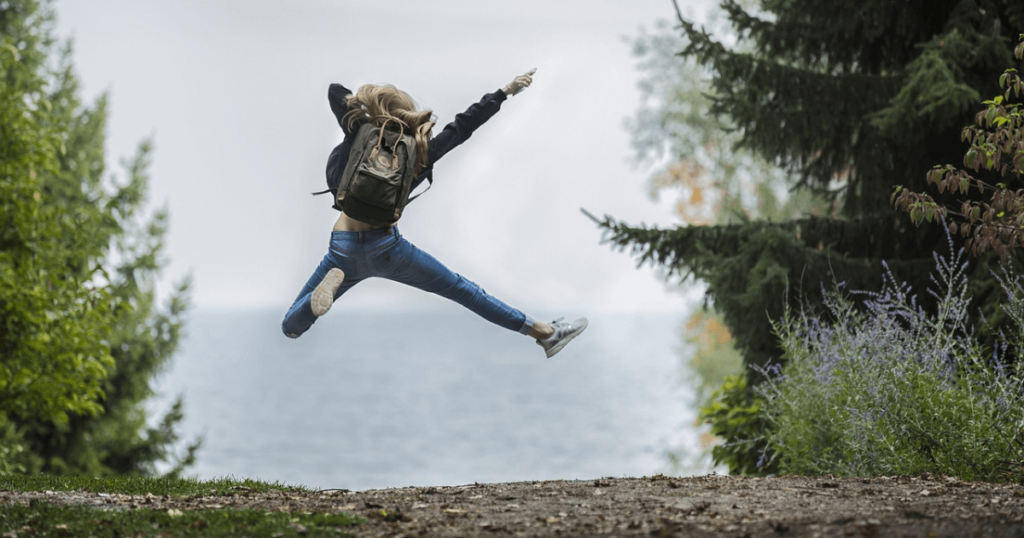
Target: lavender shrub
x,y
889,389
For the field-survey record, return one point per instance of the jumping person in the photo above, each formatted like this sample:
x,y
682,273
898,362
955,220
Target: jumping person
x,y
359,250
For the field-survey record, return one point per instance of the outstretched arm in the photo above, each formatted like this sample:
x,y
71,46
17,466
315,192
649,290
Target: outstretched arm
x,y
336,95
466,122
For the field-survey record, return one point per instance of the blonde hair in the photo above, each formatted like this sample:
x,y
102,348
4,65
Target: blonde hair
x,y
386,102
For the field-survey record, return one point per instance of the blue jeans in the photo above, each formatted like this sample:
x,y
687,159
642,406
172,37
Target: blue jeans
x,y
385,253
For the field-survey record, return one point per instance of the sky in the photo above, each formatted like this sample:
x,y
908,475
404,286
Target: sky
x,y
234,96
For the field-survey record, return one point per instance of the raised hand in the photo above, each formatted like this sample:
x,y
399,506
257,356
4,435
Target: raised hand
x,y
519,83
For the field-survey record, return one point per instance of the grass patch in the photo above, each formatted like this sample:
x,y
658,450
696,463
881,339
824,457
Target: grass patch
x,y
135,485
41,519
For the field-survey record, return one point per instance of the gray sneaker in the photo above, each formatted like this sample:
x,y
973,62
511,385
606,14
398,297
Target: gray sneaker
x,y
564,332
323,294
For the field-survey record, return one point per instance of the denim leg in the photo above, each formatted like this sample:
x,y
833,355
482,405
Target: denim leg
x,y
299,317
421,270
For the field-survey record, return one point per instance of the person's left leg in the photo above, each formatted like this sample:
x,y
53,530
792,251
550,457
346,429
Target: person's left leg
x,y
335,275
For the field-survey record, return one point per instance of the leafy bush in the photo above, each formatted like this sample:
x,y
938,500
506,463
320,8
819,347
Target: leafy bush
x,y
997,149
736,415
889,389
81,331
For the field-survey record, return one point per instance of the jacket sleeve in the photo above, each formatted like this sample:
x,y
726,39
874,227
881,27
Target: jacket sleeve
x,y
336,95
460,130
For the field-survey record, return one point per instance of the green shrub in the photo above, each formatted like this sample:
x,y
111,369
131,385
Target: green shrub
x,y
736,415
889,389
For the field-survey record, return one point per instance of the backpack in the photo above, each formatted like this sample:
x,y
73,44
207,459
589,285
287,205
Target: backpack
x,y
374,185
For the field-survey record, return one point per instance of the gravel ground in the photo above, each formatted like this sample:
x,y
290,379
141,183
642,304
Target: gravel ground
x,y
656,506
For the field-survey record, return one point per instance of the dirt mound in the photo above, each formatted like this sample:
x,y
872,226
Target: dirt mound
x,y
656,506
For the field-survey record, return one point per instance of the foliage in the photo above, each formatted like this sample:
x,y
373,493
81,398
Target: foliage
x,y
45,519
713,356
714,181
766,264
997,146
736,415
836,96
138,485
892,389
48,305
81,335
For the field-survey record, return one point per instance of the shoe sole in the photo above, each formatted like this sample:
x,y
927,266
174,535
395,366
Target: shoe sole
x,y
551,352
323,295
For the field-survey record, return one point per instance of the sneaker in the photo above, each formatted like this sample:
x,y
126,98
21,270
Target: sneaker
x,y
564,332
323,295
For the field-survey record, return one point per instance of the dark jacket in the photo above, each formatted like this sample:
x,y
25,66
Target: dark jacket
x,y
452,135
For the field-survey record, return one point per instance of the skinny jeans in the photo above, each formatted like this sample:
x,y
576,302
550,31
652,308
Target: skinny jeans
x,y
386,254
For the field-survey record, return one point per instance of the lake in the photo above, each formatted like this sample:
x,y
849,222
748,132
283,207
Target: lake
x,y
376,400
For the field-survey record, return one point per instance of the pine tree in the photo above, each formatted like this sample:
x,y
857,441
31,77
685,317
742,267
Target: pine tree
x,y
850,99
80,334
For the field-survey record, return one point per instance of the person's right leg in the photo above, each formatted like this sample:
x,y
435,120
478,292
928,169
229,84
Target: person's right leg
x,y
420,270
423,271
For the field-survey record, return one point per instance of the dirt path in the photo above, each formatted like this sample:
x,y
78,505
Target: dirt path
x,y
656,506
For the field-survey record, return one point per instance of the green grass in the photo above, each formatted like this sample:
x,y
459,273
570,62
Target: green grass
x,y
41,519
132,485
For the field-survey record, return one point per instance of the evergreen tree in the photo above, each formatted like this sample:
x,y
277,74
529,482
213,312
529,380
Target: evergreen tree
x,y
711,180
849,99
80,334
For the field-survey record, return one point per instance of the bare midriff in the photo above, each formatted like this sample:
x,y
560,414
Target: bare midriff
x,y
346,223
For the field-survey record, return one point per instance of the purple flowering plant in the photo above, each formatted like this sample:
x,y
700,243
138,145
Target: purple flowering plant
x,y
890,389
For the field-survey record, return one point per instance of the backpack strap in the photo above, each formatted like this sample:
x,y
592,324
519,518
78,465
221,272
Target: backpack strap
x,y
430,183
380,139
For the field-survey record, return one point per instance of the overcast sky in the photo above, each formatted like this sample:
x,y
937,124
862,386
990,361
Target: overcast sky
x,y
235,95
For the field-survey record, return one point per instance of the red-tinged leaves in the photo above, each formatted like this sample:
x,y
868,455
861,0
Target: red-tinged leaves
x,y
996,140
895,191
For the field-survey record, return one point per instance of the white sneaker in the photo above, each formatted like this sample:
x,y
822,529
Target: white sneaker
x,y
564,332
323,295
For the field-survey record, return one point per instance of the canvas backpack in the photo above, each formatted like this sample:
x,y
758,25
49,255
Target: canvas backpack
x,y
373,186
